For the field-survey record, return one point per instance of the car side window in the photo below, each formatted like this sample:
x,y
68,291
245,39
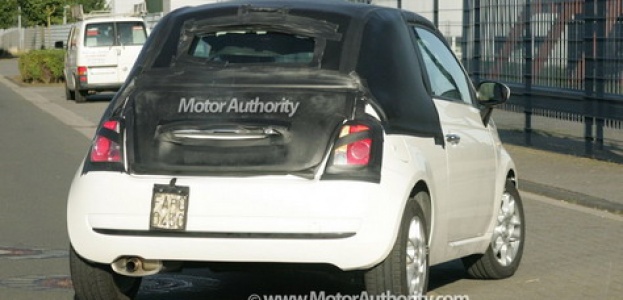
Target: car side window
x,y
447,78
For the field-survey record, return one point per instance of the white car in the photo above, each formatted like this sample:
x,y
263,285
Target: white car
x,y
101,50
305,132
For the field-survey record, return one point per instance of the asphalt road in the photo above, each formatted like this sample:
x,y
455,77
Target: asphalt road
x,y
571,252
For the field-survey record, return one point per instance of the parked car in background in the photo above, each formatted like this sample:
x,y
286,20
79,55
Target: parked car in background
x,y
101,51
307,132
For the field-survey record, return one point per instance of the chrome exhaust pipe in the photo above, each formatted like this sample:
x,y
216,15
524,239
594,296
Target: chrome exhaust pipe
x,y
133,264
136,266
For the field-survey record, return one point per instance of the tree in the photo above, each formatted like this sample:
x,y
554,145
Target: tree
x,y
50,12
89,5
39,12
8,13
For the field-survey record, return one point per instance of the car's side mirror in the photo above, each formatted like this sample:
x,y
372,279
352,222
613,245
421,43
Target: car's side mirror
x,y
492,93
59,45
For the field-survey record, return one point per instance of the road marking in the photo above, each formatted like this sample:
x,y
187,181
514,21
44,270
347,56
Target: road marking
x,y
15,253
152,285
38,282
571,206
67,117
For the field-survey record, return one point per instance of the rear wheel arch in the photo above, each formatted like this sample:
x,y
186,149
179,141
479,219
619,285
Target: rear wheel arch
x,y
405,270
512,177
425,204
70,77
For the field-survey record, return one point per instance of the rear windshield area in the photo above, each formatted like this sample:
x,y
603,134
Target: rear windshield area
x,y
114,34
243,37
253,46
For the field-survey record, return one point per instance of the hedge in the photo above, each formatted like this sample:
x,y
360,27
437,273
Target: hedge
x,y
42,66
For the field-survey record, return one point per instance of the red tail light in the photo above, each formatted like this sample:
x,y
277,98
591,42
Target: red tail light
x,y
356,153
82,74
104,148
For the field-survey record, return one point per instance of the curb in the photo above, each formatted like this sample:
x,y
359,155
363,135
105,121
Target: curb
x,y
571,197
64,115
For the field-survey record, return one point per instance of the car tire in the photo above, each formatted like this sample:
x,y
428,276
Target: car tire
x,y
69,94
405,270
94,281
503,255
81,96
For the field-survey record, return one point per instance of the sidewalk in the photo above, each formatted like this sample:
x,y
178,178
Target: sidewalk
x,y
552,166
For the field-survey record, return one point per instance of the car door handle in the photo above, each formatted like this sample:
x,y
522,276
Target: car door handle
x,y
453,138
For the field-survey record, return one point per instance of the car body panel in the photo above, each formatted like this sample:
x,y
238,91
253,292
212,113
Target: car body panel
x,y
471,165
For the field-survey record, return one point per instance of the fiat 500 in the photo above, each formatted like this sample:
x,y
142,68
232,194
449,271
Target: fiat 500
x,y
307,132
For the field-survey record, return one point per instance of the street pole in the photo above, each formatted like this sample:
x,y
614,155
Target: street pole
x,y
19,29
436,13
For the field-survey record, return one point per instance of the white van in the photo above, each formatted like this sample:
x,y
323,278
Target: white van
x,y
100,53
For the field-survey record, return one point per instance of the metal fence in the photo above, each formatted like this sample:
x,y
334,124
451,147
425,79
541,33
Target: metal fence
x,y
562,58
24,39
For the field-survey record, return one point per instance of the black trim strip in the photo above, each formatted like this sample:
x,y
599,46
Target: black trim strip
x,y
110,134
102,66
352,137
221,235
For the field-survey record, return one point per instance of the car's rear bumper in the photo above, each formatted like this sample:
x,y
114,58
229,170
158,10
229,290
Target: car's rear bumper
x,y
99,87
349,224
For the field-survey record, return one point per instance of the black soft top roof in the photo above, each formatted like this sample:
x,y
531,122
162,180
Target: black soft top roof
x,y
349,18
370,41
345,9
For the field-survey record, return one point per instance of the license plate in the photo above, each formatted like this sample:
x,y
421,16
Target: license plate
x,y
169,207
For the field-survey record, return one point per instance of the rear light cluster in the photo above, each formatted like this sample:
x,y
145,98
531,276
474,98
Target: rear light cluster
x,y
106,151
106,148
357,152
82,74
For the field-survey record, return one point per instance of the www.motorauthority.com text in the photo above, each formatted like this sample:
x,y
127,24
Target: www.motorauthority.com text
x,y
321,295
